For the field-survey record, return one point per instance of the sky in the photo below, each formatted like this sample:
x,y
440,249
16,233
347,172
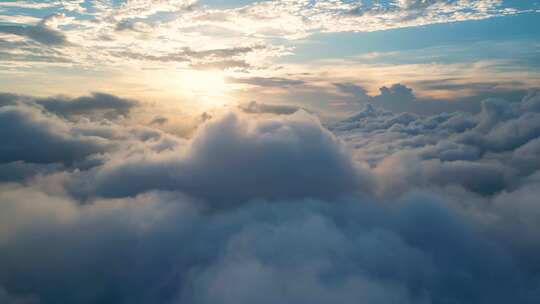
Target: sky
x,y
277,151
201,55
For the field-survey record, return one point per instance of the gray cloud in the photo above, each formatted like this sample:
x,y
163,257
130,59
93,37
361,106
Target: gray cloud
x,y
211,58
32,136
221,64
457,149
395,98
159,120
355,90
256,107
293,157
8,99
40,33
19,170
302,251
108,104
267,81
401,98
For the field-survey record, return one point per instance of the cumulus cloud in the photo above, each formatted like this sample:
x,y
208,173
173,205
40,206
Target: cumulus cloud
x,y
302,251
275,158
455,149
47,135
379,208
400,98
33,136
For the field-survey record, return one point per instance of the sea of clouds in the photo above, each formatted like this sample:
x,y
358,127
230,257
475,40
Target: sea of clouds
x,y
253,208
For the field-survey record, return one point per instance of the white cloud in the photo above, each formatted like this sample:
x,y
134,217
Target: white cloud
x,y
385,208
95,37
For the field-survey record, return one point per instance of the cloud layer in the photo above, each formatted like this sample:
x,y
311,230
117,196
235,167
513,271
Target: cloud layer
x,y
187,33
378,208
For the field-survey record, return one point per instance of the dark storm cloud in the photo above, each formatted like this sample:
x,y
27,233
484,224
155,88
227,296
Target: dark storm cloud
x,y
384,208
40,33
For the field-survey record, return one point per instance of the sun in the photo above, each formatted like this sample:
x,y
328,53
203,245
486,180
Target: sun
x,y
203,83
195,88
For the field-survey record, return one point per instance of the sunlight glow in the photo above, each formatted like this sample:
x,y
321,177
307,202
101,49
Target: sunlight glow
x,y
206,87
203,83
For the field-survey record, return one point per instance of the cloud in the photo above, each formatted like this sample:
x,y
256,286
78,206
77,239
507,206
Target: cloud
x,y
8,99
109,104
382,207
7,298
159,120
19,170
401,98
275,158
48,135
531,102
302,251
395,98
157,32
33,136
267,81
353,89
39,33
470,151
255,107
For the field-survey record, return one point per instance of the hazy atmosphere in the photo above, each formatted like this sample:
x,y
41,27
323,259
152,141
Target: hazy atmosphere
x,y
272,151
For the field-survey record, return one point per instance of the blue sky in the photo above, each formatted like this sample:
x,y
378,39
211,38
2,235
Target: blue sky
x,y
509,28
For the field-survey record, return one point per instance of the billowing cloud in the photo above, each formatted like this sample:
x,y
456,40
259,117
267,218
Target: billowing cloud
x,y
400,98
32,136
279,158
379,208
